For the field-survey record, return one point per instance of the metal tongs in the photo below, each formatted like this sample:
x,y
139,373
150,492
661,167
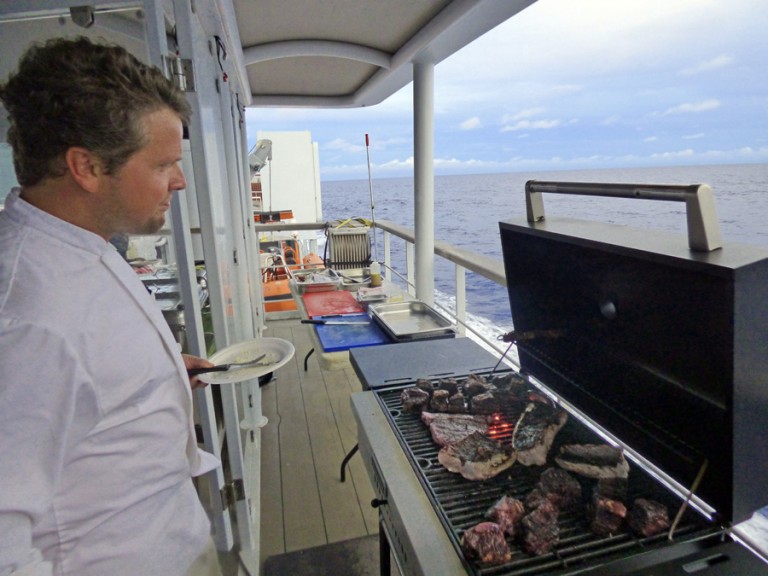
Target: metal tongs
x,y
515,337
225,367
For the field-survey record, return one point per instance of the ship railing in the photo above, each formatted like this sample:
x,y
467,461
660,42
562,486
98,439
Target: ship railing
x,y
464,261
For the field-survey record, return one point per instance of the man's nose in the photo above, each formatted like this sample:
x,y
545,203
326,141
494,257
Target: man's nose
x,y
178,182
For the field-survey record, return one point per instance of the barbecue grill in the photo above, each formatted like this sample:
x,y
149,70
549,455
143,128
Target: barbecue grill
x,y
650,343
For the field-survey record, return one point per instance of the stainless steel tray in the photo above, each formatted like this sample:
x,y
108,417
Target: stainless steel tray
x,y
315,280
410,320
355,278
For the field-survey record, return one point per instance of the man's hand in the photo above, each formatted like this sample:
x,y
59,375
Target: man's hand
x,y
196,362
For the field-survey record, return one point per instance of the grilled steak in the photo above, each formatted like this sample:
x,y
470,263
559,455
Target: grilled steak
x,y
613,488
535,432
507,513
444,401
607,510
414,399
648,517
450,428
540,530
562,489
449,384
511,382
476,457
535,498
475,385
606,515
594,460
425,385
486,403
485,543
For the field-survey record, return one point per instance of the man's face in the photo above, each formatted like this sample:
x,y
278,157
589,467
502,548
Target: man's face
x,y
139,193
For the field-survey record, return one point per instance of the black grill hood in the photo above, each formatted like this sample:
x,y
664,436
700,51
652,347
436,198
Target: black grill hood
x,y
665,347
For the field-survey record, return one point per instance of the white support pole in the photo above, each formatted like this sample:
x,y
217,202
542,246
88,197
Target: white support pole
x,y
207,142
424,178
157,48
250,393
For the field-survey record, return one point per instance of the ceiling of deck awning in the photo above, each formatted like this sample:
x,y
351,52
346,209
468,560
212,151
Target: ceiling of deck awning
x,y
346,53
311,53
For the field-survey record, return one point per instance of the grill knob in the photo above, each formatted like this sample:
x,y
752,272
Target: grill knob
x,y
375,503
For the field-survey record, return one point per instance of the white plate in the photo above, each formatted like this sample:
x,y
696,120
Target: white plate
x,y
278,353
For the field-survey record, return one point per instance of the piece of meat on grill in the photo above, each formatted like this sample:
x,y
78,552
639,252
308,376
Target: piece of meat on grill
x,y
613,488
562,489
540,529
606,516
486,403
535,432
449,384
648,517
511,382
485,543
443,401
476,384
535,498
607,510
450,428
476,457
425,385
594,460
414,399
507,513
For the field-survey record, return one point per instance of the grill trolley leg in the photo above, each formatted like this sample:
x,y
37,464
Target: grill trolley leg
x,y
346,460
384,552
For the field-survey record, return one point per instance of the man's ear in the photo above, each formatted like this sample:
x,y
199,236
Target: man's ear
x,y
85,168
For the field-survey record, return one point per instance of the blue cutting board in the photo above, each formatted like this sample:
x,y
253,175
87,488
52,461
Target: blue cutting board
x,y
334,338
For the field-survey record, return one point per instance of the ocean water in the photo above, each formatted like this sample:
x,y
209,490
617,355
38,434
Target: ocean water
x,y
468,209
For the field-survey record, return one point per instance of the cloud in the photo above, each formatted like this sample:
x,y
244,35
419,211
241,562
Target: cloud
x,y
527,113
687,153
531,125
521,121
693,107
708,65
470,123
525,88
453,165
342,145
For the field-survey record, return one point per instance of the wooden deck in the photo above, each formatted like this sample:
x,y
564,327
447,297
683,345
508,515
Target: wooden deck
x,y
311,428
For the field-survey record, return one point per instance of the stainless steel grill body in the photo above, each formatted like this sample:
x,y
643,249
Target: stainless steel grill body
x,y
659,346
427,508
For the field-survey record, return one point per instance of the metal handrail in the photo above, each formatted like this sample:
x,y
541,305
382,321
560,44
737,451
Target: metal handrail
x,y
463,259
477,263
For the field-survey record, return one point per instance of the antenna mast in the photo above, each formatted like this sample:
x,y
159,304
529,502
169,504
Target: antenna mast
x,y
370,191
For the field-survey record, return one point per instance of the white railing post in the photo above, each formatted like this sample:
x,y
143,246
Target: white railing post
x,y
461,300
410,268
387,256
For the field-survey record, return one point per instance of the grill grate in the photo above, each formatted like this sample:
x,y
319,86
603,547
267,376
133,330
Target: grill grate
x,y
461,503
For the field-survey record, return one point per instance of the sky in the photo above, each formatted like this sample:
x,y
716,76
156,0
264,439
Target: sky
x,y
571,84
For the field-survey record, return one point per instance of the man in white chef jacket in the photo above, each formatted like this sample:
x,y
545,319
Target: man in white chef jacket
x,y
97,447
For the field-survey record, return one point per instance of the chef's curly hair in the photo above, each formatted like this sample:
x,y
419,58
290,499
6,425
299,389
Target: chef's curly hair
x,y
74,92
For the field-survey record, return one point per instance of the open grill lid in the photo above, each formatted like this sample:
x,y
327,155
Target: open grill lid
x,y
663,346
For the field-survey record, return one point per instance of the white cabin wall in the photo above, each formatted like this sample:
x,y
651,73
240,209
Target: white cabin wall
x,y
291,180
